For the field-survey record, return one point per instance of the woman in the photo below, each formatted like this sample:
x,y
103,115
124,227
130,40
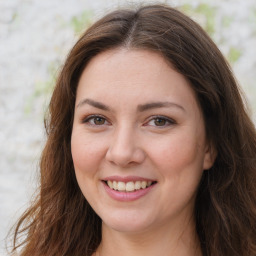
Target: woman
x,y
150,149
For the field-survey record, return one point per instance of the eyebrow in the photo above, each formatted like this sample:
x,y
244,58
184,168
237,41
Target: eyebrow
x,y
153,105
93,103
140,108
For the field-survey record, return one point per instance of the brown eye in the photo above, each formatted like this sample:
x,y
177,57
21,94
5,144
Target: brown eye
x,y
98,120
95,120
160,122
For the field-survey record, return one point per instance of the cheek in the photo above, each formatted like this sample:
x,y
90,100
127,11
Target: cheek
x,y
86,153
177,153
87,157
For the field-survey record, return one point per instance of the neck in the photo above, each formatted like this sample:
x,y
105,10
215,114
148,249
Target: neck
x,y
165,240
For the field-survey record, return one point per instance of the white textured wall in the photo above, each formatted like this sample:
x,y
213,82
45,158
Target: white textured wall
x,y
35,36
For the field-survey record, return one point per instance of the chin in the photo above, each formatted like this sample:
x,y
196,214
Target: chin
x,y
127,227
127,222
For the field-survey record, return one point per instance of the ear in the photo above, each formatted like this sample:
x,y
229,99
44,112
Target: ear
x,y
209,157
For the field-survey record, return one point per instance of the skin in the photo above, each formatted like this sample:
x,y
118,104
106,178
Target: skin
x,y
128,140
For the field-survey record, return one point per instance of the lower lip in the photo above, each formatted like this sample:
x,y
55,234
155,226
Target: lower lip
x,y
127,196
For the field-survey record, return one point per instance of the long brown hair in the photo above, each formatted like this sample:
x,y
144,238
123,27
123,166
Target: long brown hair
x,y
61,222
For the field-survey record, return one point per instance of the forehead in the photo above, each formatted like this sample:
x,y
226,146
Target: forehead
x,y
131,63
133,75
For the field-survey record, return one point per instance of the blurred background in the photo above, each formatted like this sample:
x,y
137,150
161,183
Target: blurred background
x,y
35,37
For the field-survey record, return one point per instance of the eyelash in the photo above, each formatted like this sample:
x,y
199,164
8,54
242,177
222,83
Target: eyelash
x,y
168,121
93,117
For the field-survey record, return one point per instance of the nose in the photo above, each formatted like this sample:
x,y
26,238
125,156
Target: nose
x,y
124,150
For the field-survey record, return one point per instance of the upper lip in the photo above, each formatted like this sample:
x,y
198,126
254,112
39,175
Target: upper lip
x,y
127,178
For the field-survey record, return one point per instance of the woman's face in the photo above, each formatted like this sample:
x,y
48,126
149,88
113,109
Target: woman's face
x,y
138,141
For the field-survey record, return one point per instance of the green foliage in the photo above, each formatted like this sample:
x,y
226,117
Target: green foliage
x,y
227,21
43,88
253,15
203,13
234,54
209,13
187,8
79,23
252,19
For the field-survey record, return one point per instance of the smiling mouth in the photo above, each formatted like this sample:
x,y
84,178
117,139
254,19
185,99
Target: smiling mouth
x,y
129,186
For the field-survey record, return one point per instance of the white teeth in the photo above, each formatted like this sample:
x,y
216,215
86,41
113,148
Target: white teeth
x,y
129,186
137,185
114,185
143,184
121,186
110,184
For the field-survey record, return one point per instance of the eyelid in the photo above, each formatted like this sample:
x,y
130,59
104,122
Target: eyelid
x,y
169,120
89,117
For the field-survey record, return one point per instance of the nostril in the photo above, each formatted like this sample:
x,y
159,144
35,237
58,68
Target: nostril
x,y
126,156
